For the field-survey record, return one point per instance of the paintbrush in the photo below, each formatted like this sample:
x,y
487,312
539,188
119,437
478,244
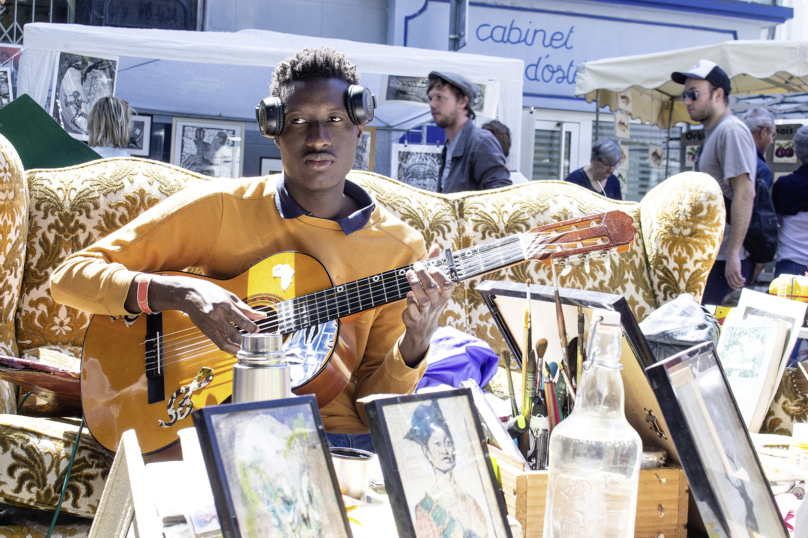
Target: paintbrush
x,y
581,358
562,335
550,397
514,409
526,342
532,378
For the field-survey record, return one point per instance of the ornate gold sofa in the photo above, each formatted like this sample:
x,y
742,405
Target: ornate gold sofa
x,y
48,214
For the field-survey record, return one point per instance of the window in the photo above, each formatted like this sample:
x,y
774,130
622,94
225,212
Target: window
x,y
15,14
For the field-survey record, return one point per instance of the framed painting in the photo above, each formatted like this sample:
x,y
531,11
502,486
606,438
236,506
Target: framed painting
x,y
270,469
417,165
209,147
716,452
270,166
366,151
78,82
436,466
140,138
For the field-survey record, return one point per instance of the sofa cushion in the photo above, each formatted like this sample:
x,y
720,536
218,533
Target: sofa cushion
x,y
72,208
13,234
34,454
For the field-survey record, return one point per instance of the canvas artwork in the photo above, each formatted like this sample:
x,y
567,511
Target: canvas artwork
x,y
417,165
270,470
366,151
208,147
691,153
140,137
622,127
784,151
78,82
6,91
655,158
436,470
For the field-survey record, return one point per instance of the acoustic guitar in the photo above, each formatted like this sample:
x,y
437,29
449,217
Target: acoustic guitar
x,y
150,372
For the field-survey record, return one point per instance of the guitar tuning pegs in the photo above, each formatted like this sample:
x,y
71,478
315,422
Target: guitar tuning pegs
x,y
567,269
593,223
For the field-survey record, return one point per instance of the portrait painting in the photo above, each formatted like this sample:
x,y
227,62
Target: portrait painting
x,y
208,147
270,470
140,137
6,91
417,165
725,476
366,151
78,82
436,468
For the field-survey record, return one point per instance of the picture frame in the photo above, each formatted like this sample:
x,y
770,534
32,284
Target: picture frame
x,y
366,151
78,82
270,165
417,165
448,480
726,478
139,144
212,148
260,451
6,88
506,302
413,91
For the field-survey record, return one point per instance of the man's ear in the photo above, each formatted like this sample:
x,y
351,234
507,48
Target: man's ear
x,y
358,135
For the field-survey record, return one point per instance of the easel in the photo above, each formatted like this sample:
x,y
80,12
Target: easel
x,y
126,508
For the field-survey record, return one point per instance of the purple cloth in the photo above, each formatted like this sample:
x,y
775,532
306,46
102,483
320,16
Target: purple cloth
x,y
455,357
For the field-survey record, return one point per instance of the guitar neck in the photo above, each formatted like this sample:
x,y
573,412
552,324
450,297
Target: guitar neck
x,y
391,286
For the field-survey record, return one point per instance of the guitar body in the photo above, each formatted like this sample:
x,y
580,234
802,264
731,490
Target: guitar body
x,y
117,394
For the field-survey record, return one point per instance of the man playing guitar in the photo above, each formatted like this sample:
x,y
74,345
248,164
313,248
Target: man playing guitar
x,y
225,227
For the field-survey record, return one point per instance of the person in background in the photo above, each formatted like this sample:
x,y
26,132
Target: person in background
x,y
790,197
728,155
472,158
598,175
109,125
761,122
503,136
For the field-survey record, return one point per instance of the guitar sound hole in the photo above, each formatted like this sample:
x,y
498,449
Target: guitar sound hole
x,y
313,346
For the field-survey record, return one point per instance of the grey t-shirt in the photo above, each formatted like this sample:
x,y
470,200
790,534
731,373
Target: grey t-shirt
x,y
728,151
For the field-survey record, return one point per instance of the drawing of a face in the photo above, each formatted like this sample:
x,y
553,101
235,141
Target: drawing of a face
x,y
440,450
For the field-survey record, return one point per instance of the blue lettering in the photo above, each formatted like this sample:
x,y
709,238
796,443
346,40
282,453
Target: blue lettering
x,y
510,31
568,38
544,70
544,34
557,36
480,28
502,38
550,73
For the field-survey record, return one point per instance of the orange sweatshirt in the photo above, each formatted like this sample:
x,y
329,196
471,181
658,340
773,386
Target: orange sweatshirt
x,y
224,228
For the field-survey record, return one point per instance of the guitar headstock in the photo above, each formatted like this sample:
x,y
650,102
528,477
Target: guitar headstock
x,y
608,232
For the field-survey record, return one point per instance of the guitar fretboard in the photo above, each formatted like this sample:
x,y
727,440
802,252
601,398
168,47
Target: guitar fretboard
x,y
390,286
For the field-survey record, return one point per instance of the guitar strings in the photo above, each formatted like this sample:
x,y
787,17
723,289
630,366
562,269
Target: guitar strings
x,y
484,257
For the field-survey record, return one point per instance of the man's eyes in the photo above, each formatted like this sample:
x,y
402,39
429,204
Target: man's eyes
x,y
299,121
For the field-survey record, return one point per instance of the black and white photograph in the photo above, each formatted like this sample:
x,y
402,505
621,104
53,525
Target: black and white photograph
x,y
413,90
208,147
366,150
10,57
140,138
417,165
447,486
78,82
6,91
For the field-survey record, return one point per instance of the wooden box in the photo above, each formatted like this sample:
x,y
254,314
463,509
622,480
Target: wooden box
x,y
661,503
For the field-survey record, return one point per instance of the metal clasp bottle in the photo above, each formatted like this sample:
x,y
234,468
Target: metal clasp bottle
x,y
262,372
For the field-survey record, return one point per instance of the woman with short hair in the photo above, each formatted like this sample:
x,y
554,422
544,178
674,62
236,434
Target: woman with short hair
x,y
598,175
109,126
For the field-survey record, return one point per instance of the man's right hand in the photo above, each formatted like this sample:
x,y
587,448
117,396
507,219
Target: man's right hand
x,y
733,273
215,311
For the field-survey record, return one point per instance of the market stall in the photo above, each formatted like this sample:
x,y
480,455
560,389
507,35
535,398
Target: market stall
x,y
224,75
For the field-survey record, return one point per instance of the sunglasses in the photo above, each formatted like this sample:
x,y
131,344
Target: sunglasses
x,y
693,94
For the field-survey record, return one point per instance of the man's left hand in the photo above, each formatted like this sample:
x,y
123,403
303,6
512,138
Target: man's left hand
x,y
431,290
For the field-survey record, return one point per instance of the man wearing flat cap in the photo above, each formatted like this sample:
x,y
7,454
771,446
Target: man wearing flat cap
x,y
472,158
728,154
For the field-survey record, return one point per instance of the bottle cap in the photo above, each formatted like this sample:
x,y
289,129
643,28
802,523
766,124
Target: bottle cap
x,y
607,317
261,343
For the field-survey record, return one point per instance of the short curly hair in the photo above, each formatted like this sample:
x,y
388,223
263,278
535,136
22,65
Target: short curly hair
x,y
322,62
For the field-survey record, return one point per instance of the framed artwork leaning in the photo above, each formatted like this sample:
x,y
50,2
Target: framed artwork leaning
x,y
209,147
436,467
366,151
270,469
140,138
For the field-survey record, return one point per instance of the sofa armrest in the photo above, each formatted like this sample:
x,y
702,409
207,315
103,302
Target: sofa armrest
x,y
682,222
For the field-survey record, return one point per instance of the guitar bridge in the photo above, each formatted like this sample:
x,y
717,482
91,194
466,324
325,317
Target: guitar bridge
x,y
155,377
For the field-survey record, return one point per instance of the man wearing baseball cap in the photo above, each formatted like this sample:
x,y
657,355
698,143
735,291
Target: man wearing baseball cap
x,y
472,158
728,154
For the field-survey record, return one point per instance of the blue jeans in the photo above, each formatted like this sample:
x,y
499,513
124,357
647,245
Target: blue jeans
x,y
790,268
362,441
717,286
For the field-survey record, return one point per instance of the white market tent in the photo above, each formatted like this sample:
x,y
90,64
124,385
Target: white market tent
x,y
218,74
754,68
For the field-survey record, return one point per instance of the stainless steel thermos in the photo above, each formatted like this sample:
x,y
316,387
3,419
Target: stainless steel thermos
x,y
262,372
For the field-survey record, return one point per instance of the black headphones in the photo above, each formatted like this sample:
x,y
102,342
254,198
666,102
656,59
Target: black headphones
x,y
359,103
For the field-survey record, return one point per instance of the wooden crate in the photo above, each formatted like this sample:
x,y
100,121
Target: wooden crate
x,y
661,503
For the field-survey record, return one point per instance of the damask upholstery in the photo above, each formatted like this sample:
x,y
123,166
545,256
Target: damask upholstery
x,y
71,208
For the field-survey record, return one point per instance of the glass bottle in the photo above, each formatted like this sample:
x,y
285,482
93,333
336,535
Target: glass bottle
x,y
595,453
